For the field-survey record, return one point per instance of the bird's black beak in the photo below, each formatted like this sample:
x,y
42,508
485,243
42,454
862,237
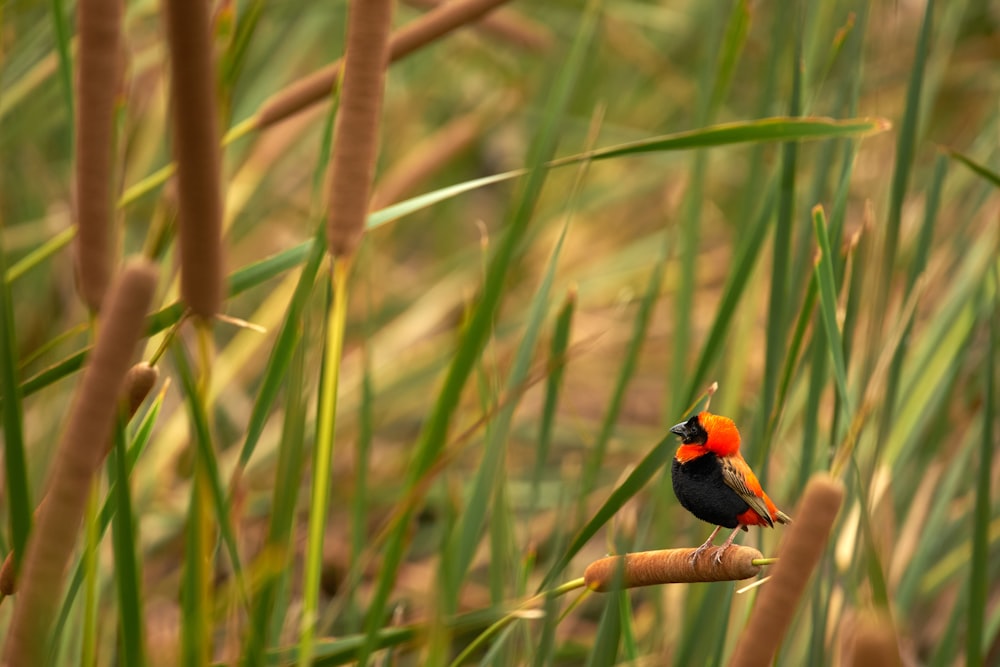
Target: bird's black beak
x,y
691,432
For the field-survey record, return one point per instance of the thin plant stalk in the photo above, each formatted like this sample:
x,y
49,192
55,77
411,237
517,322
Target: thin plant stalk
x,y
91,598
325,431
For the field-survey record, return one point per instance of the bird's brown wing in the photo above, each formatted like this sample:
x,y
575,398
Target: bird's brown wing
x,y
738,476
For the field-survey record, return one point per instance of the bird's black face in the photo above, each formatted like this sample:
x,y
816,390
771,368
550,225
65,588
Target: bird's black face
x,y
691,432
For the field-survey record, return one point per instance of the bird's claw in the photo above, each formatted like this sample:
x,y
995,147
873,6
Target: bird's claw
x,y
697,552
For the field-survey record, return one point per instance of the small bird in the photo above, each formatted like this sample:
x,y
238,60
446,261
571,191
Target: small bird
x,y
713,481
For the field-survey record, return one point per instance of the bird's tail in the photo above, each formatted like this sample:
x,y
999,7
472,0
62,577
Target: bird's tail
x,y
783,518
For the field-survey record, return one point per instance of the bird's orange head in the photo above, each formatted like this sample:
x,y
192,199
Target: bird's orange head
x,y
715,433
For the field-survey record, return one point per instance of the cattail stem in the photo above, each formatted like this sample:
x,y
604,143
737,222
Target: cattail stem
x,y
197,153
355,142
322,458
798,555
98,68
431,26
79,453
671,566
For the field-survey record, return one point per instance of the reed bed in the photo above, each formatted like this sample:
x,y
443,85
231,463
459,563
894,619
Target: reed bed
x,y
416,435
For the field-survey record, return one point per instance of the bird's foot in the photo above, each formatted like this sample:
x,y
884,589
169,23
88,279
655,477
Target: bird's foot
x,y
719,553
698,552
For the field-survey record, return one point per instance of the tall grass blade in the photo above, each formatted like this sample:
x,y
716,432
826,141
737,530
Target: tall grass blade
x,y
595,461
214,492
776,331
19,501
828,306
979,572
557,367
127,570
433,436
651,464
278,545
977,167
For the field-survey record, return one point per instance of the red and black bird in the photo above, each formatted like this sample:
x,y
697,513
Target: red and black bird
x,y
713,481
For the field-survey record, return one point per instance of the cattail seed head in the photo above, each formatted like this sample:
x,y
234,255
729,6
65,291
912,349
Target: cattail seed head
x,y
139,381
356,132
672,566
873,643
798,555
197,153
78,455
97,81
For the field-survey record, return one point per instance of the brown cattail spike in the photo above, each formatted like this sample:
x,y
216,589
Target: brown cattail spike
x,y
78,455
798,555
874,643
98,67
317,86
139,382
356,133
196,149
672,566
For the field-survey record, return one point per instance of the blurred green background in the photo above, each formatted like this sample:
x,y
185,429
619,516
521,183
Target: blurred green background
x,y
681,268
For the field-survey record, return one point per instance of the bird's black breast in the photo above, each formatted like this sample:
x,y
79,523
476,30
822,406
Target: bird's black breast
x,y
701,490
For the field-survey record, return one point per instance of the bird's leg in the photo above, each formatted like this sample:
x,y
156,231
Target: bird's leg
x,y
700,550
725,545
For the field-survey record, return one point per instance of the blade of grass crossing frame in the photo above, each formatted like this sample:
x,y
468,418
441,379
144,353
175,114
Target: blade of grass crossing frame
x,y
288,475
777,315
609,632
196,626
917,266
979,572
905,148
828,306
764,130
284,348
433,436
203,443
19,502
491,470
714,82
594,463
235,55
737,281
651,464
557,368
977,167
794,348
281,352
629,648
124,540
